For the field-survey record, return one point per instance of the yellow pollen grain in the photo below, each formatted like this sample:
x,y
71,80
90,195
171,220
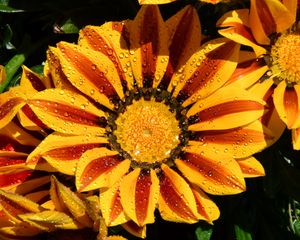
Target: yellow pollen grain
x,y
148,131
285,54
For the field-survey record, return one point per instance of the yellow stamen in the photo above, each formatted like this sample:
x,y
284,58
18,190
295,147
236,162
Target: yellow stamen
x,y
148,131
285,55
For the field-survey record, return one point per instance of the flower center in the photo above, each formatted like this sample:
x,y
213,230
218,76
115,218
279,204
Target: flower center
x,y
147,130
285,55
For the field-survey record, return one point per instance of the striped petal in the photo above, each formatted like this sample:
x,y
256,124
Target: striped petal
x,y
267,17
91,72
67,112
64,199
207,209
296,138
249,71
176,200
98,168
111,207
185,38
10,104
287,103
110,39
134,229
50,220
229,107
236,27
214,175
32,82
206,71
63,152
237,143
251,167
140,199
19,233
155,1
149,47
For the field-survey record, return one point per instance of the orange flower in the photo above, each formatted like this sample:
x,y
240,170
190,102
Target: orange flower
x,y
281,55
169,1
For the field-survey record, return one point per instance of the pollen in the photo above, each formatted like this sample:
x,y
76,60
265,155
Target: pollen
x,y
148,131
285,55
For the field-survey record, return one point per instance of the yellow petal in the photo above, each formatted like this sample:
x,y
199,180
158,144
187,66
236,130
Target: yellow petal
x,y
155,1
134,229
251,167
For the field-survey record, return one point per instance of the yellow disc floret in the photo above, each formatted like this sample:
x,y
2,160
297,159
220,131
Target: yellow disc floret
x,y
148,131
285,55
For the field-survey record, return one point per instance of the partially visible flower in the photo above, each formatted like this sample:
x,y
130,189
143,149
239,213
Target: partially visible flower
x,y
270,29
169,1
2,74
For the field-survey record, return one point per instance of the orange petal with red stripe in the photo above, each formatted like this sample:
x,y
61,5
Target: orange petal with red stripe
x,y
67,112
149,51
251,167
267,17
287,103
206,71
99,168
63,152
229,107
235,26
91,72
10,104
214,175
134,229
139,200
237,143
111,40
207,209
176,200
111,207
249,71
63,198
32,82
185,37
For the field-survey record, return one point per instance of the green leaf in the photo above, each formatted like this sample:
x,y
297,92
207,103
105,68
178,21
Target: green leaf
x,y
69,27
296,225
6,9
241,234
203,231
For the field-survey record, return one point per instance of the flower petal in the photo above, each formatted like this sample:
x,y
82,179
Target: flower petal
x,y
287,103
111,207
229,107
237,143
251,167
134,229
32,82
63,152
207,209
19,233
110,39
155,1
139,193
176,200
98,168
67,112
236,27
185,38
214,176
296,138
149,47
206,71
64,198
91,72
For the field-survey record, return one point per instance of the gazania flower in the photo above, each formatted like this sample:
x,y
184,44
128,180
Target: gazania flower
x,y
147,121
280,52
169,1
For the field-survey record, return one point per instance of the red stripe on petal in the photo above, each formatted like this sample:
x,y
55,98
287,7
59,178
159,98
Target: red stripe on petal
x,y
91,72
173,199
7,107
67,112
7,161
11,207
116,207
14,178
97,167
36,82
9,144
225,109
291,105
240,29
98,43
269,106
33,117
149,38
213,61
211,170
266,18
72,152
142,193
